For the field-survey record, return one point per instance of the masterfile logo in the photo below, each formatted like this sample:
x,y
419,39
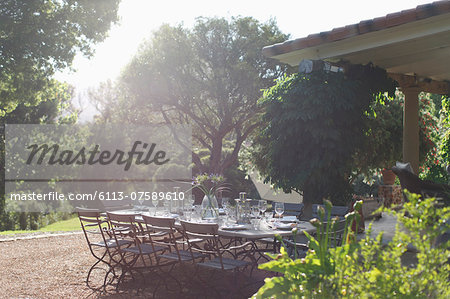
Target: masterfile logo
x,y
84,156
50,163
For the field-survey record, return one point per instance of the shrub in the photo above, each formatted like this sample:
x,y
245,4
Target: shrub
x,y
369,269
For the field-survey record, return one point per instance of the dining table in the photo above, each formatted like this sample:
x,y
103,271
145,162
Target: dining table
x,y
267,228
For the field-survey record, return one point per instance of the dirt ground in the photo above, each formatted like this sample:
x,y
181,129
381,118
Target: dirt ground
x,y
56,267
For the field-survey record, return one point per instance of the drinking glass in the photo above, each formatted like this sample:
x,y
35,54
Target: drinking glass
x,y
167,205
197,214
262,205
279,209
255,214
225,207
225,202
155,203
255,223
191,201
140,205
255,211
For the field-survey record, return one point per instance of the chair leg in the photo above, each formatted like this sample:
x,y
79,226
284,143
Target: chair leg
x,y
126,268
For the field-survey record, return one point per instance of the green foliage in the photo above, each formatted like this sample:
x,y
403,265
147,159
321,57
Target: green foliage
x,y
209,76
445,145
383,143
55,109
70,222
368,268
436,138
312,126
39,37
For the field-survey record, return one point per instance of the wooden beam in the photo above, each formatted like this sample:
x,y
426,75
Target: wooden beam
x,y
424,84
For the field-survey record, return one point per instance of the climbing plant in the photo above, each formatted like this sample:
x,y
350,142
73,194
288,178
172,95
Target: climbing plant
x,y
312,126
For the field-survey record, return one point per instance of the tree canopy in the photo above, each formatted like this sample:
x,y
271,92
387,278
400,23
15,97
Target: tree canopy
x,y
39,37
210,77
313,125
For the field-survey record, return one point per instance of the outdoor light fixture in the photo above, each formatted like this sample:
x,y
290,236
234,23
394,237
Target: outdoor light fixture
x,y
308,66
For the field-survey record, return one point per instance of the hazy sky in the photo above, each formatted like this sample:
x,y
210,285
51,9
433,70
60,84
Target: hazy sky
x,y
140,17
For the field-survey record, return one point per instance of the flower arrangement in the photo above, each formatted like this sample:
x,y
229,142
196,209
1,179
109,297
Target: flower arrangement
x,y
210,184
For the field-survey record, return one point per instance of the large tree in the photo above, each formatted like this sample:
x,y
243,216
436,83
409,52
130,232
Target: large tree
x,y
313,126
39,37
210,77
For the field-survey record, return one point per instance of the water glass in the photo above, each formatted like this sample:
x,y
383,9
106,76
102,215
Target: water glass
x,y
262,205
255,223
231,217
279,209
187,214
197,214
255,211
155,202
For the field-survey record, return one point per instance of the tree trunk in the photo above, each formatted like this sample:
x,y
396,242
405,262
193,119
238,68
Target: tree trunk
x,y
309,198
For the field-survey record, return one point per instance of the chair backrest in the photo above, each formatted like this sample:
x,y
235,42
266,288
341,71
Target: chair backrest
x,y
208,233
123,226
335,234
155,225
291,209
200,229
339,211
163,223
95,228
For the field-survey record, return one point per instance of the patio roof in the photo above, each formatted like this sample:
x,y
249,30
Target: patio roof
x,y
412,45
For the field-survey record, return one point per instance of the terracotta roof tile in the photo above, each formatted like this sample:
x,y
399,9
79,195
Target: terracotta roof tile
x,y
391,20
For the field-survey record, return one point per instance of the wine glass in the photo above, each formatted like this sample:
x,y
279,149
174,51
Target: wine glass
x,y
262,205
140,203
225,202
279,209
255,213
155,203
191,201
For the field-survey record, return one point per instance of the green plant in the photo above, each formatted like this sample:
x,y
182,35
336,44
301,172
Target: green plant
x,y
312,126
209,184
368,268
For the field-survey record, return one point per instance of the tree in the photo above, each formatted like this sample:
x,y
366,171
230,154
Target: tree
x,y
39,37
55,109
313,125
209,77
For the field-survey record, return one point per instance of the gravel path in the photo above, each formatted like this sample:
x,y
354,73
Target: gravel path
x,y
50,267
43,266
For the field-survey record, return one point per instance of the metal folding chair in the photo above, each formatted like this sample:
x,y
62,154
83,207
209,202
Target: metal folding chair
x,y
172,239
230,258
336,211
138,257
101,244
272,244
299,246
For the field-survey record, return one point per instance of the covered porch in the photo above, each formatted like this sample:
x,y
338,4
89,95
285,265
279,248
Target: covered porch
x,y
413,46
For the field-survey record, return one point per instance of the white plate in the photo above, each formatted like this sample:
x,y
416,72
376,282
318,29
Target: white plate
x,y
234,227
289,219
284,226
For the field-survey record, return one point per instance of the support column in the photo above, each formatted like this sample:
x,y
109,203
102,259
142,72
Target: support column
x,y
411,127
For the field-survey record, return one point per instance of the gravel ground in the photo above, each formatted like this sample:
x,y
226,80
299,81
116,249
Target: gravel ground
x,y
50,267
56,267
